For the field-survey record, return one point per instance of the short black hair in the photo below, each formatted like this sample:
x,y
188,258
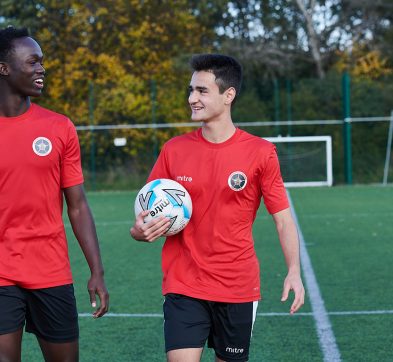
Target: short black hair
x,y
226,69
7,36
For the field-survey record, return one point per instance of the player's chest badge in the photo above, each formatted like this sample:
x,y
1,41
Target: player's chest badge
x,y
237,181
42,146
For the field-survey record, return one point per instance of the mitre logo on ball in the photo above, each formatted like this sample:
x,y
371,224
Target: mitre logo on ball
x,y
165,197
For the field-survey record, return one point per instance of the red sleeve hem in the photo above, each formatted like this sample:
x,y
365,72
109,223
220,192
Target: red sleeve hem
x,y
74,182
276,209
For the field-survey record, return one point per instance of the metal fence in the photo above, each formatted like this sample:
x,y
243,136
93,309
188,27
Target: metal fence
x,y
121,156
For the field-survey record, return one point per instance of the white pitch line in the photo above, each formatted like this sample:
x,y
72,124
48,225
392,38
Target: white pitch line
x,y
107,223
267,314
327,341
362,312
346,216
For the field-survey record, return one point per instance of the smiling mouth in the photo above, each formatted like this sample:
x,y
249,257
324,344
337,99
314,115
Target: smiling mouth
x,y
39,83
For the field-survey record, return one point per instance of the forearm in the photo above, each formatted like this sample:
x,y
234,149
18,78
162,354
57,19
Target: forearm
x,y
290,246
83,227
85,232
289,240
287,233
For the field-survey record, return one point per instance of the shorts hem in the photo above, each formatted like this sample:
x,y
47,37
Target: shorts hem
x,y
226,359
11,330
53,339
230,359
172,348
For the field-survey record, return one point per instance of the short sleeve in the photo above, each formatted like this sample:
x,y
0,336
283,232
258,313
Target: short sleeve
x,y
272,185
71,168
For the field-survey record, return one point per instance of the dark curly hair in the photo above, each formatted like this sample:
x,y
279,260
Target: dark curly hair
x,y
7,36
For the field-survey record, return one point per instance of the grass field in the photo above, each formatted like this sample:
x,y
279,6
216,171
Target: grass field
x,y
347,236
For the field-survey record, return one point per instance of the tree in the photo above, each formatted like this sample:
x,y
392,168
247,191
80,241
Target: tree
x,y
313,38
117,45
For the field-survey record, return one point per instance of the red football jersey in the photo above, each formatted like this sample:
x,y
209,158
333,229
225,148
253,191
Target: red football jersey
x,y
214,258
40,156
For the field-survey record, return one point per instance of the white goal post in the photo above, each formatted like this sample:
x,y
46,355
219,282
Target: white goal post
x,y
305,161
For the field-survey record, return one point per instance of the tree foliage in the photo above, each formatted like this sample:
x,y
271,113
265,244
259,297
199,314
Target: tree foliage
x,y
126,61
115,47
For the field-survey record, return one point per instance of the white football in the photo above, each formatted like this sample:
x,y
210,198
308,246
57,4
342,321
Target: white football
x,y
164,197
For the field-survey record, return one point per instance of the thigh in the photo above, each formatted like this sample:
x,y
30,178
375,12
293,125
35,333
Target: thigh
x,y
185,355
52,315
12,320
232,329
10,346
186,322
59,352
12,309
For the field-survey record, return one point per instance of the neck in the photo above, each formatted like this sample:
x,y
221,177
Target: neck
x,y
13,106
218,132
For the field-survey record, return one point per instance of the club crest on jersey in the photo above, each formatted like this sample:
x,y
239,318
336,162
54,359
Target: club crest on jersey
x,y
42,146
237,181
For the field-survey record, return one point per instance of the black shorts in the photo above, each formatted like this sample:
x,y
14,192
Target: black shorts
x,y
189,322
49,313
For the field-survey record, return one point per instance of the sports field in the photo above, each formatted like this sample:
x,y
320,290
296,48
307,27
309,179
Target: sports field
x,y
347,254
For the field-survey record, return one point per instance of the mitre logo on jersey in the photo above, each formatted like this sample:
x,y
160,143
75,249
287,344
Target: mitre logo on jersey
x,y
184,178
42,146
237,181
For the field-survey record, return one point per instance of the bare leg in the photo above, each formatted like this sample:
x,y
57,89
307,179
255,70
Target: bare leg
x,y
10,346
184,355
60,352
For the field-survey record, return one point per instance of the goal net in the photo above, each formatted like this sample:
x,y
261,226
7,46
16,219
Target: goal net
x,y
305,161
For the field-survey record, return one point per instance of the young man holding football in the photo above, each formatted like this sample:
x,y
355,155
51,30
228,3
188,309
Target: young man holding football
x,y
39,163
210,269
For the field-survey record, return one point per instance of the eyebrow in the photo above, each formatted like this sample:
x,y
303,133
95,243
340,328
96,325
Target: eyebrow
x,y
198,88
36,55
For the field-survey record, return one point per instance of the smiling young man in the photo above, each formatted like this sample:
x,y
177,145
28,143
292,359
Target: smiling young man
x,y
39,163
210,269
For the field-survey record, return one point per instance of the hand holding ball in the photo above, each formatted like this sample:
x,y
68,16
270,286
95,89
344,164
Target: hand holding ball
x,y
164,197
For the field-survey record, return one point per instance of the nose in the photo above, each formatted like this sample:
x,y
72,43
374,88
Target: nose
x,y
192,98
40,69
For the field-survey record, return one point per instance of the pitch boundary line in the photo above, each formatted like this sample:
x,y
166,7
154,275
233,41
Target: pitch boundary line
x,y
107,223
346,216
327,340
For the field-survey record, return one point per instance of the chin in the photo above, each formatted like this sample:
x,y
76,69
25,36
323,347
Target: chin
x,y
35,94
196,118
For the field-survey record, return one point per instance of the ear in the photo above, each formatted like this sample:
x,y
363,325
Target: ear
x,y
4,68
230,95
